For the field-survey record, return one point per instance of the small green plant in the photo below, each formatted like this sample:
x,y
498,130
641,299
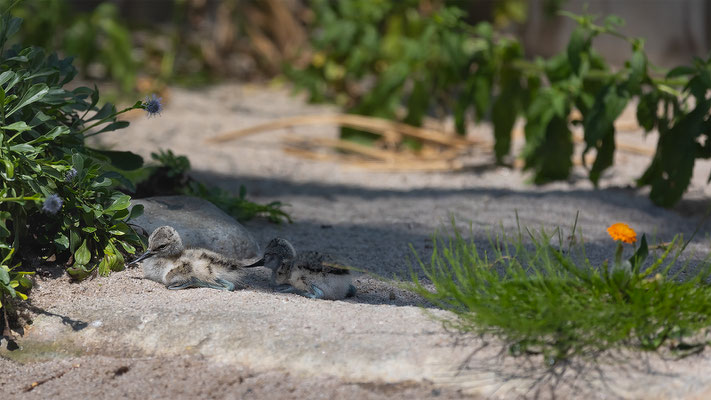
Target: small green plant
x,y
170,176
551,300
175,165
238,207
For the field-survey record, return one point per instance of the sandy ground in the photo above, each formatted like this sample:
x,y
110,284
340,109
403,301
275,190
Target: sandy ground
x,y
125,336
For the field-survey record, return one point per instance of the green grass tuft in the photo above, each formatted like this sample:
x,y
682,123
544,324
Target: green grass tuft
x,y
550,300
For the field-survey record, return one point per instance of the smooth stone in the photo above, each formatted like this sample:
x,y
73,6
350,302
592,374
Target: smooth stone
x,y
199,223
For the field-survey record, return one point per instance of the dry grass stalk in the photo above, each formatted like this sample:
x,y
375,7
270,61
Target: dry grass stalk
x,y
385,166
359,149
369,124
412,165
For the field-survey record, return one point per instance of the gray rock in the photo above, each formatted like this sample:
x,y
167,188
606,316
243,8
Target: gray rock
x,y
199,223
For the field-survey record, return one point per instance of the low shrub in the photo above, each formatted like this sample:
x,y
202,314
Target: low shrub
x,y
171,177
58,197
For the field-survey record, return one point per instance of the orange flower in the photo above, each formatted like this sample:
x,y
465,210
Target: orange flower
x,y
623,232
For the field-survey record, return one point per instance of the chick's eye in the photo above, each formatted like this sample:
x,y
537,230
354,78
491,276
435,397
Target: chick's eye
x,y
161,247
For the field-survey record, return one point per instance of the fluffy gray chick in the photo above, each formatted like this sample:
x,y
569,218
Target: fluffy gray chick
x,y
308,274
167,261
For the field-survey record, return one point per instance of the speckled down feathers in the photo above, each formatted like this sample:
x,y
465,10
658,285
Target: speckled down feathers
x,y
318,262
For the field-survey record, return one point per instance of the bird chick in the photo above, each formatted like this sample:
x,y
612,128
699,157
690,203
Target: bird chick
x,y
167,261
308,274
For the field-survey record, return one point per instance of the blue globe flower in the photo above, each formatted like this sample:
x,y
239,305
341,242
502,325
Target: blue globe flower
x,y
153,105
52,204
71,174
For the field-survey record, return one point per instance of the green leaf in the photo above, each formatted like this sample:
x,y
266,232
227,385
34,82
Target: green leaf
x,y
670,172
417,104
609,104
481,94
78,162
24,282
124,160
35,93
136,211
129,249
74,240
20,126
6,76
460,114
604,158
549,155
503,116
105,111
56,132
120,203
9,173
4,232
113,126
578,44
638,71
79,271
681,71
94,96
24,148
82,256
104,269
640,255
62,241
101,182
647,110
4,275
117,263
13,26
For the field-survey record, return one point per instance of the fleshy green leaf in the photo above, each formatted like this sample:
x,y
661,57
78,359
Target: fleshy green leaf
x,y
82,256
120,203
640,255
20,126
136,211
33,94
4,275
124,160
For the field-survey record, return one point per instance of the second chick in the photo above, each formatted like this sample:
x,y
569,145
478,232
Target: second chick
x,y
308,274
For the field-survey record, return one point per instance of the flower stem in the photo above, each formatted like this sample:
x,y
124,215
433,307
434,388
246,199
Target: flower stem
x,y
107,119
618,255
35,197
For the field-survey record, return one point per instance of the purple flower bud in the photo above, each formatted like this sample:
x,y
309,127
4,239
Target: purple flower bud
x,y
153,105
52,204
71,174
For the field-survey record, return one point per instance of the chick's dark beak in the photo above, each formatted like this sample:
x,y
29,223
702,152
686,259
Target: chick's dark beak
x,y
258,263
143,256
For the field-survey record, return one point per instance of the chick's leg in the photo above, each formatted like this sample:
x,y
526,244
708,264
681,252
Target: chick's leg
x,y
290,289
316,293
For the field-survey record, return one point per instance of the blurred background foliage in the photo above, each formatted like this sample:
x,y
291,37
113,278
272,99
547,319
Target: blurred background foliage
x,y
135,44
406,60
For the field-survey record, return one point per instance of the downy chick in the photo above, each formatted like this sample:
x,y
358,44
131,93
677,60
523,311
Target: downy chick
x,y
167,261
308,274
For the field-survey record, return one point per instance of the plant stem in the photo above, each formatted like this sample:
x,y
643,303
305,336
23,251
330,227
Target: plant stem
x,y
104,120
35,197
